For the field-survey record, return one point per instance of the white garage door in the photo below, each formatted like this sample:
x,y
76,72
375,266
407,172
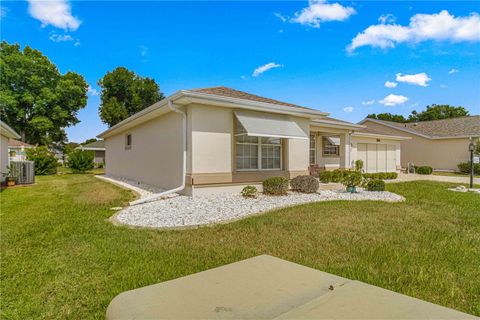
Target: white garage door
x,y
377,157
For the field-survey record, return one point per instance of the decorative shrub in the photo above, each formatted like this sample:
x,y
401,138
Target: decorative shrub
x,y
424,170
275,186
45,161
100,165
325,176
305,184
464,167
80,161
376,185
392,175
351,178
359,165
249,192
337,175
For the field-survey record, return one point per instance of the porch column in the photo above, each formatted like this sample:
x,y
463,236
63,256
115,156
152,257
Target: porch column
x,y
345,162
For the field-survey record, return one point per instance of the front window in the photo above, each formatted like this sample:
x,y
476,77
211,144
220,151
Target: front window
x,y
313,149
257,153
128,141
331,146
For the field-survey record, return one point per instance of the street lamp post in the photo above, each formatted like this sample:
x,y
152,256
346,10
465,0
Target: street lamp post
x,y
471,148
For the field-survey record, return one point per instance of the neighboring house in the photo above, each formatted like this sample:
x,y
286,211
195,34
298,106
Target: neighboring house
x,y
222,139
441,144
17,150
98,147
6,133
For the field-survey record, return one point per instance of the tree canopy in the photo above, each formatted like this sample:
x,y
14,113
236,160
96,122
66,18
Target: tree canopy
x,y
432,112
125,93
35,99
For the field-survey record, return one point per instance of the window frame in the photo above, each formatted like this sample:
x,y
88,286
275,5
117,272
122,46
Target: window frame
x,y
259,145
314,149
128,141
324,145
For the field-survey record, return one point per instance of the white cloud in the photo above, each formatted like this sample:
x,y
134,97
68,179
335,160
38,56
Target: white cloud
x,y
441,26
243,77
348,109
92,91
54,12
60,37
368,102
77,43
443,86
387,18
390,84
393,99
419,79
280,16
143,51
452,71
319,11
265,68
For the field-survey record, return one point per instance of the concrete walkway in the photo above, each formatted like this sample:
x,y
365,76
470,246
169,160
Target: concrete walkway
x,y
402,177
265,287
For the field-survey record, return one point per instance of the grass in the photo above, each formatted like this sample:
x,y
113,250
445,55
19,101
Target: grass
x,y
62,259
453,174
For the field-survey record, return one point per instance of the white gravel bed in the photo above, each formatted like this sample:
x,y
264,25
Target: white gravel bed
x,y
183,211
144,190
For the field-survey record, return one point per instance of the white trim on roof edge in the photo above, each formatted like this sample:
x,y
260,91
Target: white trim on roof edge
x,y
195,97
7,131
383,136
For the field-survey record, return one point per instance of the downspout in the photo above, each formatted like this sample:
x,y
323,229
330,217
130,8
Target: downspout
x,y
157,196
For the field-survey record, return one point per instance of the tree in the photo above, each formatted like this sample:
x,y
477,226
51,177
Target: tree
x,y
437,112
387,117
89,141
125,93
35,99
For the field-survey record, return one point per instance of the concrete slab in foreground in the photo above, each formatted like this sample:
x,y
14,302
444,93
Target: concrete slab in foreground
x,y
266,287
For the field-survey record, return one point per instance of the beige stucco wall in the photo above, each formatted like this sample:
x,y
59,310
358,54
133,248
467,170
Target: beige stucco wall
x,y
440,154
213,148
155,156
3,156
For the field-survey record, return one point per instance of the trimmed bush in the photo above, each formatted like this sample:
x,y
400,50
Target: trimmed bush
x,y
464,167
376,185
275,186
45,161
305,184
249,192
80,161
359,165
337,175
325,176
424,170
381,175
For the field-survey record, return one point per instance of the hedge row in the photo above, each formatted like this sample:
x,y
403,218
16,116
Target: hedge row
x,y
338,175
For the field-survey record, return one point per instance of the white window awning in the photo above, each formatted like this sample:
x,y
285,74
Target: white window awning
x,y
259,124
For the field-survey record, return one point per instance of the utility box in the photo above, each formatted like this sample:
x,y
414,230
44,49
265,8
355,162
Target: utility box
x,y
24,171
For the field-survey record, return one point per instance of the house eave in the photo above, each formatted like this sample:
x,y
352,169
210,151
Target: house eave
x,y
382,136
185,97
7,131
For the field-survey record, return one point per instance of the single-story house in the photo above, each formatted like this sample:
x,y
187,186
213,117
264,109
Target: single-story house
x,y
17,150
98,148
221,139
440,144
6,133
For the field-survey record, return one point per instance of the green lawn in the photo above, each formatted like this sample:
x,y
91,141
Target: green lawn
x,y
62,259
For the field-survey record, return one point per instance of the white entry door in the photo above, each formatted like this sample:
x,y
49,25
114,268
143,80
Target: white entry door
x,y
377,157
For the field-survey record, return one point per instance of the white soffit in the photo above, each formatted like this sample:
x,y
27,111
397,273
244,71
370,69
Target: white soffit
x,y
269,125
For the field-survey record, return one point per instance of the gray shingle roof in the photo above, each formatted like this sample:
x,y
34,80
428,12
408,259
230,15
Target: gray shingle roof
x,y
232,93
95,144
462,126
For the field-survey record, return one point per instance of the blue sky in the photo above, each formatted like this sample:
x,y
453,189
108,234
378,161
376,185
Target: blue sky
x,y
331,56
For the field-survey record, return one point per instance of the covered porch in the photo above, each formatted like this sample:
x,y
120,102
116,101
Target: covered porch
x,y
330,145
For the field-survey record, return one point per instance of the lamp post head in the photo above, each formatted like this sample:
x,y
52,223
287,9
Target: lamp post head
x,y
471,147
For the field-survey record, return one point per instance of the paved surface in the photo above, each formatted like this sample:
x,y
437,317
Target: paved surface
x,y
266,287
412,177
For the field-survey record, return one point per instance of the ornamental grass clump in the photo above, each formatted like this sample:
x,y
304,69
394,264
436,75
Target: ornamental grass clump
x,y
305,184
276,186
352,179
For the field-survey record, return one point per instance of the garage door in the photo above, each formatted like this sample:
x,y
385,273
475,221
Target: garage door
x,y
377,157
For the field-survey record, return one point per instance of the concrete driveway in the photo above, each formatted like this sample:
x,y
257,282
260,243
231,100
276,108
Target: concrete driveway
x,y
412,177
